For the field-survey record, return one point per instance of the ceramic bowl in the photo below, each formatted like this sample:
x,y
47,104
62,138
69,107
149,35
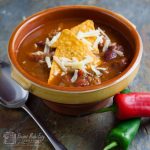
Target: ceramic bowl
x,y
76,100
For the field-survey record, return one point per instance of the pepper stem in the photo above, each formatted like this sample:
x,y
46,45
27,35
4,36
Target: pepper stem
x,y
125,91
111,145
112,108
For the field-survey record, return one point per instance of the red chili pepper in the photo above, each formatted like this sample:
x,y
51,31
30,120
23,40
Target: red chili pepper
x,y
131,105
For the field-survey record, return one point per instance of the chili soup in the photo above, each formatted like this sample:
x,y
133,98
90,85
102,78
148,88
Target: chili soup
x,y
74,53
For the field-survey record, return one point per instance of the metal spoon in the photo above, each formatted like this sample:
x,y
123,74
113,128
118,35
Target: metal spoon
x,y
12,95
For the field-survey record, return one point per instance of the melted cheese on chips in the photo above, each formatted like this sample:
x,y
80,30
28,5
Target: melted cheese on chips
x,y
69,46
84,27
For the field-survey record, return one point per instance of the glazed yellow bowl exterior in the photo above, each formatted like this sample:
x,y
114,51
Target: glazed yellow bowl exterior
x,y
75,95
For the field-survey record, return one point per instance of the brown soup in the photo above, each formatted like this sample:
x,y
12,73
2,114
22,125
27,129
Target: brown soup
x,y
114,63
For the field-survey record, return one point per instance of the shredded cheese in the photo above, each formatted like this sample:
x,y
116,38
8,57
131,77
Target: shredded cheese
x,y
64,59
107,40
85,71
63,73
73,64
87,60
38,53
119,53
41,61
89,44
95,70
91,33
61,65
102,32
75,76
74,59
48,61
99,33
106,45
82,35
101,68
98,40
54,39
86,41
46,48
35,45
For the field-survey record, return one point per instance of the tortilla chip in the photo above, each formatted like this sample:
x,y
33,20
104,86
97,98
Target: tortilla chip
x,y
83,27
69,46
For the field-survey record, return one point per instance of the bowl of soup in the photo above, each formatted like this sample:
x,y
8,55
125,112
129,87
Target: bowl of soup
x,y
75,57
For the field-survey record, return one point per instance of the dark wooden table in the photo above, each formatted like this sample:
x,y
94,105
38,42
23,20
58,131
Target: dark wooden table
x,y
77,133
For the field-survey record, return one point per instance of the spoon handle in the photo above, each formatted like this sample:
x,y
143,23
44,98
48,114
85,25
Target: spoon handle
x,y
56,144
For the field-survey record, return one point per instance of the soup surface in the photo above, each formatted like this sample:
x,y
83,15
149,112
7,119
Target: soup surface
x,y
110,53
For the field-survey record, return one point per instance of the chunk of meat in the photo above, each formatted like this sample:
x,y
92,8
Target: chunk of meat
x,y
117,47
96,80
111,52
109,55
119,63
66,79
88,80
89,77
40,44
82,81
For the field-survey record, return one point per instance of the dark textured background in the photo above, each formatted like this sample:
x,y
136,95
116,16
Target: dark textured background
x,y
86,133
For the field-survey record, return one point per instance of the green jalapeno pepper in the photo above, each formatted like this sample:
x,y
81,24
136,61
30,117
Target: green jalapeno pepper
x,y
122,135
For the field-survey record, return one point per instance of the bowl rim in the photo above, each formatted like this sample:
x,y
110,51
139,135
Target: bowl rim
x,y
134,63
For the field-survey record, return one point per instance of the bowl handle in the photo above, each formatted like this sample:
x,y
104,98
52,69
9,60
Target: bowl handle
x,y
22,81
